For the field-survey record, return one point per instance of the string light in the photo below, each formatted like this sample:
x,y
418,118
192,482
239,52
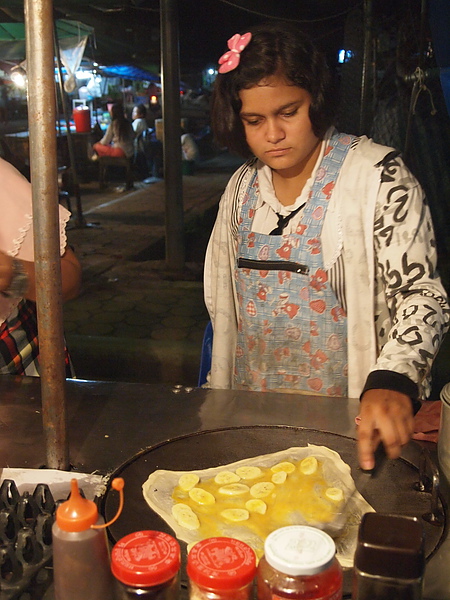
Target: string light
x,y
19,76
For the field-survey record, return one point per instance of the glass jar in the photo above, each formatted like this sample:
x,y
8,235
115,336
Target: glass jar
x,y
146,564
221,568
389,558
299,562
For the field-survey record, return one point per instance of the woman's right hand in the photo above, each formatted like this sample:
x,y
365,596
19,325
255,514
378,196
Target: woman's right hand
x,y
6,271
386,416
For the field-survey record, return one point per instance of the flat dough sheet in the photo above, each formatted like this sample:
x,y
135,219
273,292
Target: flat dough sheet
x,y
159,487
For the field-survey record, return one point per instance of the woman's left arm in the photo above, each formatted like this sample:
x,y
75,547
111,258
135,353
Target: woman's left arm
x,y
406,258
107,138
410,286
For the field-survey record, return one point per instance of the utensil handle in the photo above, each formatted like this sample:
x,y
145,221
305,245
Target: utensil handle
x,y
380,458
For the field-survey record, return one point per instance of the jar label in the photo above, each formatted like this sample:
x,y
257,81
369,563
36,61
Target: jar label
x,y
337,595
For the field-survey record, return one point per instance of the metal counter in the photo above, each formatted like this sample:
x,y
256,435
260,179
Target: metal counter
x,y
108,423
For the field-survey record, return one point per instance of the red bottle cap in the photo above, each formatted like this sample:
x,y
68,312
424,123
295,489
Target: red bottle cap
x,y
221,563
145,558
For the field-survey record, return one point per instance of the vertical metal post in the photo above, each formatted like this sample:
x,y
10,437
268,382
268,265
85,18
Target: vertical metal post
x,y
175,250
42,119
365,75
417,81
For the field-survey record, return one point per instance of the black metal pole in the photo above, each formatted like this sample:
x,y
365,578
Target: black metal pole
x,y
365,75
418,81
175,249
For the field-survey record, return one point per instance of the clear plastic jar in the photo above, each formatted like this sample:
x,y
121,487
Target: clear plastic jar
x,y
146,564
221,568
299,562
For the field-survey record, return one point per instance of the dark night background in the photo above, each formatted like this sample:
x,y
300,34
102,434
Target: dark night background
x,y
407,35
128,31
401,105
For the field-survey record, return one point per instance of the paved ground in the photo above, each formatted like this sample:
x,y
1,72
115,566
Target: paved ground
x,y
134,321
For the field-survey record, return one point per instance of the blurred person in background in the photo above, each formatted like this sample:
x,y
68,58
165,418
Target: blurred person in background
x,y
119,137
19,340
139,115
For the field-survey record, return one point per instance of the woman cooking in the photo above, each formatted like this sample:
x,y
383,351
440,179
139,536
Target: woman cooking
x,y
320,274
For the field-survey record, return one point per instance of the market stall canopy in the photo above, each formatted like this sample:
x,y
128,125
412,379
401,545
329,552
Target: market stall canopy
x,y
130,72
12,36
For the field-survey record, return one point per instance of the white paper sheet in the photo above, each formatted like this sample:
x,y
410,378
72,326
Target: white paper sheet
x,y
58,481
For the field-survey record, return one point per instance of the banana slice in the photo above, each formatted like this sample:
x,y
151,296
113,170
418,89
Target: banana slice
x,y
262,489
185,516
188,481
256,506
309,465
234,489
249,472
335,494
235,514
285,466
201,496
279,477
226,477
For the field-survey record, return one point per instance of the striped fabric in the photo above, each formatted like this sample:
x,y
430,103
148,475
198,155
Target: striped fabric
x,y
19,346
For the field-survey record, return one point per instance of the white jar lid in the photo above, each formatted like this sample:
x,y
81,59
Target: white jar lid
x,y
299,550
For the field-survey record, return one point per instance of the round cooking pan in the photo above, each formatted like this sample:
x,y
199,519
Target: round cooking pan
x,y
392,491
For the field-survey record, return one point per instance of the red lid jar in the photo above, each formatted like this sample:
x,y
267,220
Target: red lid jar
x,y
146,564
221,568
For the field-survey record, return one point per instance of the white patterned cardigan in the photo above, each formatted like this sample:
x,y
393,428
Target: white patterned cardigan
x,y
380,226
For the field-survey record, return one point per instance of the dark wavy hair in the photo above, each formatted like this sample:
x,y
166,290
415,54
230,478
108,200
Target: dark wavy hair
x,y
275,49
124,127
141,110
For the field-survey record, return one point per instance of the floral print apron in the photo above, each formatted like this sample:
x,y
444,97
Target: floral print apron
x,y
292,331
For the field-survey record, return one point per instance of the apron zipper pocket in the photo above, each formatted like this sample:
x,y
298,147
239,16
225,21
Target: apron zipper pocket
x,y
273,265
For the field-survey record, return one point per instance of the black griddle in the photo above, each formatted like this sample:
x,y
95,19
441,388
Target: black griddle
x,y
393,491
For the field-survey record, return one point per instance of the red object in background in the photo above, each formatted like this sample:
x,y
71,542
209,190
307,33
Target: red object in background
x,y
82,118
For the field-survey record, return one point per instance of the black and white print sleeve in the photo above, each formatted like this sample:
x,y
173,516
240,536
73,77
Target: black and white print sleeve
x,y
412,311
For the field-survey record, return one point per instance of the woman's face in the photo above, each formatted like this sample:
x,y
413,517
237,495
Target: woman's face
x,y
275,115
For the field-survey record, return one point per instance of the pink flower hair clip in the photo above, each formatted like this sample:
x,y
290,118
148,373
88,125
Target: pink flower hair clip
x,y
231,58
